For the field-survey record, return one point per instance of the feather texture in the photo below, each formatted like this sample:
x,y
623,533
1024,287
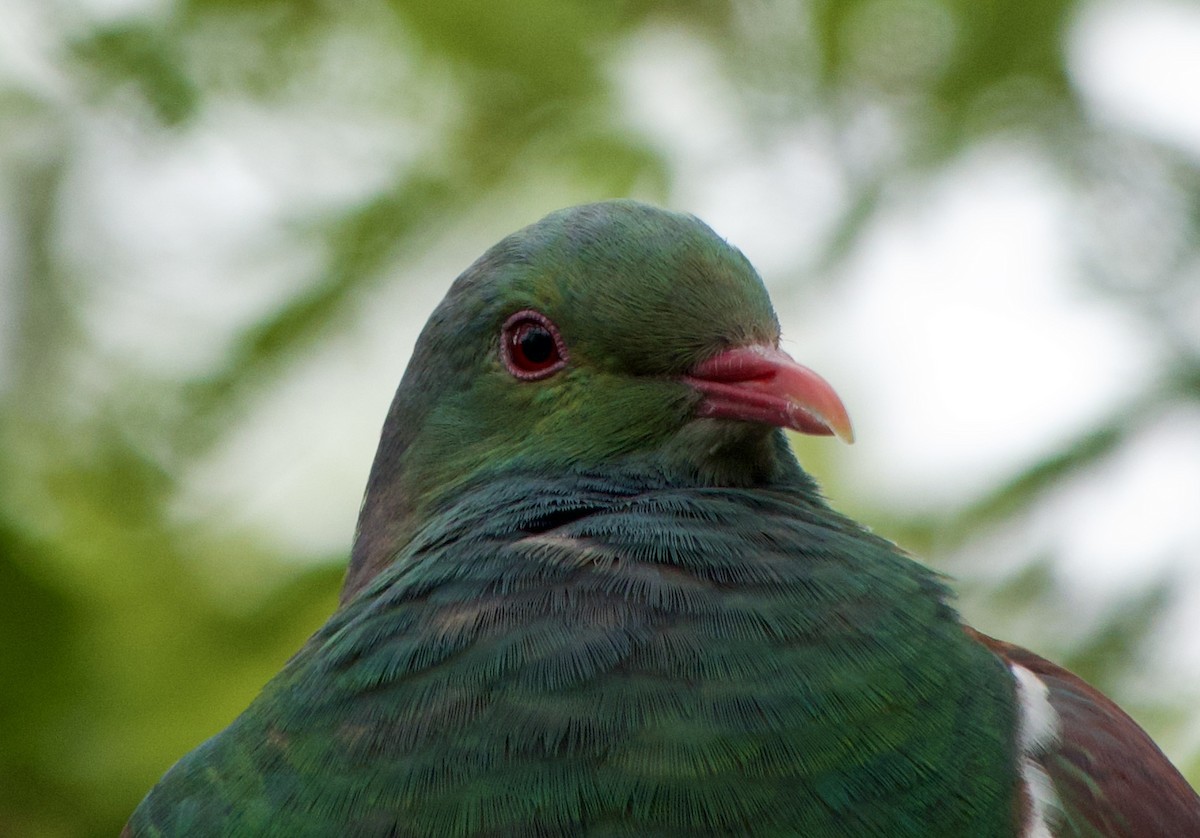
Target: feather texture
x,y
616,652
580,603
1108,777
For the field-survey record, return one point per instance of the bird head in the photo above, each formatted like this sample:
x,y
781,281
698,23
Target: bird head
x,y
602,335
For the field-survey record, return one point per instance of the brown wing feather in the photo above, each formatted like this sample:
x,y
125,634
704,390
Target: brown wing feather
x,y
1110,777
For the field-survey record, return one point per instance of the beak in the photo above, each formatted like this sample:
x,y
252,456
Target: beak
x,y
763,384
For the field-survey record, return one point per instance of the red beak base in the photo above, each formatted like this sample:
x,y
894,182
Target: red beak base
x,y
763,384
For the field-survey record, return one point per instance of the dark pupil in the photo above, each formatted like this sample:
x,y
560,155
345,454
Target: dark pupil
x,y
537,345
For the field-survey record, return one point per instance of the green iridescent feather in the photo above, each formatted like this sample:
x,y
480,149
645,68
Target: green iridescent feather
x,y
575,609
618,652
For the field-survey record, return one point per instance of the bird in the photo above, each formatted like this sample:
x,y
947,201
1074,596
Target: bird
x,y
593,592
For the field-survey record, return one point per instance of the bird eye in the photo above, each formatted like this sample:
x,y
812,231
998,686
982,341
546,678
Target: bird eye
x,y
531,346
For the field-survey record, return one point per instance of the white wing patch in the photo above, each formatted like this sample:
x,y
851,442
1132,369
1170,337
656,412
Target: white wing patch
x,y
1038,730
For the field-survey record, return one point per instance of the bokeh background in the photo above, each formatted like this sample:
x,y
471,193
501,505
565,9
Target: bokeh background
x,y
222,223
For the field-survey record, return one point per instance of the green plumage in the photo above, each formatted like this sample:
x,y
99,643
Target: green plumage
x,y
575,609
615,653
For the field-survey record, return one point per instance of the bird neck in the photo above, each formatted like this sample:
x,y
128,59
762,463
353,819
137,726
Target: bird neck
x,y
703,454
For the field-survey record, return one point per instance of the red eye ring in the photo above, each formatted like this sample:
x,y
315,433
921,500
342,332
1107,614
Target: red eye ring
x,y
531,346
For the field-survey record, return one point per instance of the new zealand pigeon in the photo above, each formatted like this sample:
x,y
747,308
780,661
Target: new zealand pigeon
x,y
593,593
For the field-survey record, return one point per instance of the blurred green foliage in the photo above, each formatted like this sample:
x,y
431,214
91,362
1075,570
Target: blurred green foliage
x,y
129,634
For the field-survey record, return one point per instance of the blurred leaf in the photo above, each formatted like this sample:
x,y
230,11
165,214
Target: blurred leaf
x,y
1048,474
147,58
39,672
1104,655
